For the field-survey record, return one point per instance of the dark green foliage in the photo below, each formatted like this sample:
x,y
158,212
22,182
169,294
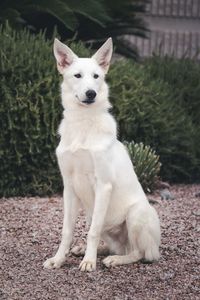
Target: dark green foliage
x,y
147,111
87,20
183,78
30,112
146,164
148,108
65,12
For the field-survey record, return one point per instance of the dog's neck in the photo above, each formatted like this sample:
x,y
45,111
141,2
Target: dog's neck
x,y
87,123
87,129
83,112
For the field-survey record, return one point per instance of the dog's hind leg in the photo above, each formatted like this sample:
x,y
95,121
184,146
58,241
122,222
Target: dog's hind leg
x,y
112,245
115,242
114,260
143,234
79,250
124,257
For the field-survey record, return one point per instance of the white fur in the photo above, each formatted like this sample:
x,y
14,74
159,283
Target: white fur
x,y
97,171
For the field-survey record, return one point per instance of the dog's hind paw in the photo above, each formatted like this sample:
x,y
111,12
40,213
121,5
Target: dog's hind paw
x,y
87,265
112,260
53,262
78,250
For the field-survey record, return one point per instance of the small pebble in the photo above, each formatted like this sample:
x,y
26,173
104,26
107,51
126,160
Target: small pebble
x,y
166,195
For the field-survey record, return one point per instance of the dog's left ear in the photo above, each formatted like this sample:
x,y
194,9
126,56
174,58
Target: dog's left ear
x,y
104,54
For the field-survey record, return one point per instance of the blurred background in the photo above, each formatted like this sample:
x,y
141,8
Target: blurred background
x,y
154,86
174,28
170,26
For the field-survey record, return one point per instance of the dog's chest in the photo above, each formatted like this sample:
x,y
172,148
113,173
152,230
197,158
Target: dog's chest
x,y
81,140
81,162
82,176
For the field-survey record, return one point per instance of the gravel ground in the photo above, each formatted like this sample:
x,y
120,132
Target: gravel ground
x,y
30,233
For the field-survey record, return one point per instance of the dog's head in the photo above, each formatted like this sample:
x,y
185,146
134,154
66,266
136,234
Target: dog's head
x,y
83,78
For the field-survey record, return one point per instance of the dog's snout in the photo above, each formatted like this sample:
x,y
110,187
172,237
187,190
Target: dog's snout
x,y
91,94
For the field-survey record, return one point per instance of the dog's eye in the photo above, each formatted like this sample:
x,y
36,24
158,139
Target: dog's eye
x,y
78,75
96,76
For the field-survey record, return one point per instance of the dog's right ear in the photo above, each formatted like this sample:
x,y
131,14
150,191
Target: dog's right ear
x,y
64,55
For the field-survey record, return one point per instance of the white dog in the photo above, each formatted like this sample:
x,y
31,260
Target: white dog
x,y
97,171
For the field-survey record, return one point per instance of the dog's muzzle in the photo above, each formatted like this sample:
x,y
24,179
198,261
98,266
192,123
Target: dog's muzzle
x,y
90,94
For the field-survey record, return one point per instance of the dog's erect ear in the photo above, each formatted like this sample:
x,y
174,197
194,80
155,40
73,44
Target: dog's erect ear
x,y
104,54
63,54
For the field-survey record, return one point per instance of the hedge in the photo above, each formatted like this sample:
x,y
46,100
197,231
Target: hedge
x,y
147,111
146,108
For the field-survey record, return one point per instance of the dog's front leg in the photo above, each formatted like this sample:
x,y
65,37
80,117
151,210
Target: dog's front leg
x,y
103,189
71,205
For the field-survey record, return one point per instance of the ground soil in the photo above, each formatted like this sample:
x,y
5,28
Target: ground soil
x,y
30,233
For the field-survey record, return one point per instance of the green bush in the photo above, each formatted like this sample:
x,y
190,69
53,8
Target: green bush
x,y
30,113
183,78
147,111
146,164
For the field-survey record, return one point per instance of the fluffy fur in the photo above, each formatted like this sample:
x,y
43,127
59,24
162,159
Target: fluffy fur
x,y
97,171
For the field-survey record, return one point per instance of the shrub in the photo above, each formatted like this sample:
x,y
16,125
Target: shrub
x,y
183,78
147,111
30,112
146,164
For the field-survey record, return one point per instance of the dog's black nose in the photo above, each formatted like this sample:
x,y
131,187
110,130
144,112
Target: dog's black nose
x,y
91,94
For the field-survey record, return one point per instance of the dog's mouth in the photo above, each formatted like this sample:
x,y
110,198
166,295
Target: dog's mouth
x,y
88,101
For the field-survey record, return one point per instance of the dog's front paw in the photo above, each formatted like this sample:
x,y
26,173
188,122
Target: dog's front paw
x,y
87,265
54,262
112,260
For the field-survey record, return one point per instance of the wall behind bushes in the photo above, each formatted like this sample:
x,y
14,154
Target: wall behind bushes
x,y
146,106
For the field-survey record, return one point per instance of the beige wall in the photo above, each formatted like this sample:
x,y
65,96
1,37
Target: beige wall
x,y
175,28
